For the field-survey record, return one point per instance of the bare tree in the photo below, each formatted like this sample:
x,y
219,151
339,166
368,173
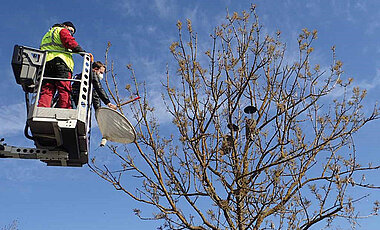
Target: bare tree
x,y
12,226
256,143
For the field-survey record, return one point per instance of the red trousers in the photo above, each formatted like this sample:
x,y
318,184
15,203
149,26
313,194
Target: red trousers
x,y
48,90
56,68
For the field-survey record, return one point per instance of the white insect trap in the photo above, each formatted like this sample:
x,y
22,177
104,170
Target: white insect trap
x,y
114,126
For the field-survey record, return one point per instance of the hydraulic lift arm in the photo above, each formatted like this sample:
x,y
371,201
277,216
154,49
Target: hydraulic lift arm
x,y
44,155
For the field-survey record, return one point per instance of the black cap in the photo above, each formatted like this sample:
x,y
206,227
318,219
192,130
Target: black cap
x,y
68,23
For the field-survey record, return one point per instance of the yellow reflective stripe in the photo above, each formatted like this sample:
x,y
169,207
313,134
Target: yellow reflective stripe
x,y
49,44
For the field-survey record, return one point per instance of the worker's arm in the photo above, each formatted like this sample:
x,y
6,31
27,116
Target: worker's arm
x,y
69,42
101,92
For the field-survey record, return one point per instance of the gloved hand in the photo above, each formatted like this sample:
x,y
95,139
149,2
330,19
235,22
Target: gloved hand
x,y
79,49
112,106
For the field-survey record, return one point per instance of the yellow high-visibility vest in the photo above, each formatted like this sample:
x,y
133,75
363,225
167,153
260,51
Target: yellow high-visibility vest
x,y
52,41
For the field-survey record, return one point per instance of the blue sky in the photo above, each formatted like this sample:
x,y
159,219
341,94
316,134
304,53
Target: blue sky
x,y
41,197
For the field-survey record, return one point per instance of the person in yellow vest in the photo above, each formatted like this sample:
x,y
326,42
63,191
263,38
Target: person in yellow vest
x,y
59,64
